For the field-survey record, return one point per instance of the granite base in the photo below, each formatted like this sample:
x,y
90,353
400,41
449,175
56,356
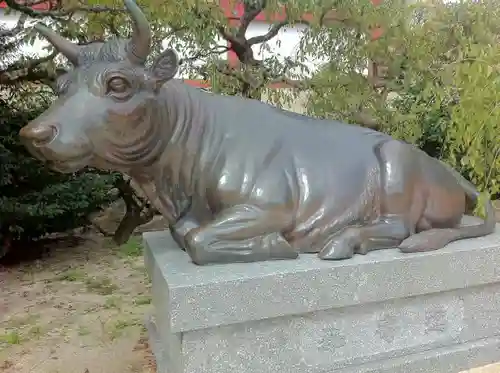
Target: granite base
x,y
384,312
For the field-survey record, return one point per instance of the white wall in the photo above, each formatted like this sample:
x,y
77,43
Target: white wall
x,y
10,21
283,45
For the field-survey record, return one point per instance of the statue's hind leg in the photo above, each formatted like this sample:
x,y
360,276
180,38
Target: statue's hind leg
x,y
399,170
243,233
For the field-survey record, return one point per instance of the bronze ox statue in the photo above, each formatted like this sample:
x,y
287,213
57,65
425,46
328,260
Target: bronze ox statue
x,y
239,180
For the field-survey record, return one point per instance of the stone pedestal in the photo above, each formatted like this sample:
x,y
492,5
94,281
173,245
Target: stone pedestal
x,y
433,312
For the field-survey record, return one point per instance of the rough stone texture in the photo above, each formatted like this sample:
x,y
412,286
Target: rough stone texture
x,y
490,368
383,312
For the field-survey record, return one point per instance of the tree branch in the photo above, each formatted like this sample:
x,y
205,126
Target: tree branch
x,y
238,41
250,11
134,215
366,120
227,35
57,12
28,72
217,50
273,31
243,46
226,70
15,30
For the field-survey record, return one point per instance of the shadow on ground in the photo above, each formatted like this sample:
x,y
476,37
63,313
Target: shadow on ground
x,y
25,253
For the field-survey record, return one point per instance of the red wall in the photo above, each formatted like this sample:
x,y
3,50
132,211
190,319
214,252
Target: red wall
x,y
42,6
233,9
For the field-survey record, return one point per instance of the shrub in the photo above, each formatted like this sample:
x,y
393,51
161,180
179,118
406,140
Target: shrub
x,y
35,201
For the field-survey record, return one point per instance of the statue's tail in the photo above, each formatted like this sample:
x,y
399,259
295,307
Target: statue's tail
x,y
489,222
433,239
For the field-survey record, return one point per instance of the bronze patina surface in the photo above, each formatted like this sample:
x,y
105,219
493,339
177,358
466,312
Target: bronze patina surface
x,y
240,180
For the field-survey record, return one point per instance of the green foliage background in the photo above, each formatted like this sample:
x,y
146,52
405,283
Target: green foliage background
x,y
440,89
35,201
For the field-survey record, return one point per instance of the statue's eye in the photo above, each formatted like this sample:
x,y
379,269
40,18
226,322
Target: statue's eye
x,y
118,85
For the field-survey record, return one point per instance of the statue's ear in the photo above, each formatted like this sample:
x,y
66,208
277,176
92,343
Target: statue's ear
x,y
165,66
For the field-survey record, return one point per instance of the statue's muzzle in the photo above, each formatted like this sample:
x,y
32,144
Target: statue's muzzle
x,y
38,135
42,139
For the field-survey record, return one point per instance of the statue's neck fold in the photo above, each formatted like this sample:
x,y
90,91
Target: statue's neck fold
x,y
184,118
185,115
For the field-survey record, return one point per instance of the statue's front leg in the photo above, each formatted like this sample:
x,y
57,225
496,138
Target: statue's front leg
x,y
179,222
161,202
181,228
242,233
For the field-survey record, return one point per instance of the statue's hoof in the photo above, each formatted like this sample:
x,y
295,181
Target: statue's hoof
x,y
340,246
278,247
336,250
179,239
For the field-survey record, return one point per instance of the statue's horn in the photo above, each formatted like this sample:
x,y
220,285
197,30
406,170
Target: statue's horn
x,y
62,45
140,42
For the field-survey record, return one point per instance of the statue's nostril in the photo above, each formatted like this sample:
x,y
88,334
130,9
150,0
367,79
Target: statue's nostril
x,y
40,135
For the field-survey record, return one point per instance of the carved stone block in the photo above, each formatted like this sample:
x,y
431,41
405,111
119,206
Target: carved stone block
x,y
385,312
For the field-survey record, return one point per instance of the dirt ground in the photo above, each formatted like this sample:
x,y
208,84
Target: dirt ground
x,y
78,309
